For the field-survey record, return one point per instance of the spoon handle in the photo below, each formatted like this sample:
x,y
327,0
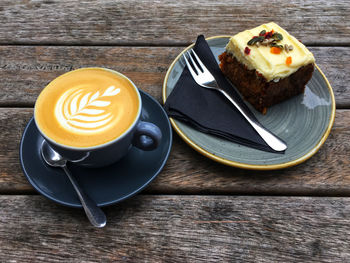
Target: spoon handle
x,y
93,212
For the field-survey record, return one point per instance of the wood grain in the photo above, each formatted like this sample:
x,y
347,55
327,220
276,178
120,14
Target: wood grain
x,y
187,172
26,70
166,22
194,211
178,229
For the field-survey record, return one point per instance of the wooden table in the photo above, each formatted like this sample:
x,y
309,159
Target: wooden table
x,y
196,209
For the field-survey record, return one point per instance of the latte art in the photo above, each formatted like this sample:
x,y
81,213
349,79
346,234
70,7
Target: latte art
x,y
86,111
87,107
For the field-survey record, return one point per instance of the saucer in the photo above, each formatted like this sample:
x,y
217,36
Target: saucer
x,y
107,185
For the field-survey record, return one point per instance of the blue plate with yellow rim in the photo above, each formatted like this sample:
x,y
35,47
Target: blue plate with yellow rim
x,y
106,185
303,122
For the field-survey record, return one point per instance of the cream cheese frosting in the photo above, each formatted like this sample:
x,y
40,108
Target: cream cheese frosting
x,y
271,66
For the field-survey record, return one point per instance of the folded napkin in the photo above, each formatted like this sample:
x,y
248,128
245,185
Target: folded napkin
x,y
208,110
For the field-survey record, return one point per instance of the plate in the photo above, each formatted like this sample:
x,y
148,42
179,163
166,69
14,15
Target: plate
x,y
107,185
303,122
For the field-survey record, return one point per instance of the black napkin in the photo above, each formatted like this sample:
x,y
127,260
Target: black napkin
x,y
208,110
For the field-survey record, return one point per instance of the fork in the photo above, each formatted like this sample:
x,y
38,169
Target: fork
x,y
205,79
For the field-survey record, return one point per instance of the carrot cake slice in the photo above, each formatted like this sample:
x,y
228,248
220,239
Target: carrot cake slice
x,y
267,65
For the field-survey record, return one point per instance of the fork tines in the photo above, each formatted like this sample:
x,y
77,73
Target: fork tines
x,y
195,62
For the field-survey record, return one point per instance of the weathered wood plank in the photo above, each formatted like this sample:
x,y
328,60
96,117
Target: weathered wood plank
x,y
12,124
166,22
187,229
24,71
326,173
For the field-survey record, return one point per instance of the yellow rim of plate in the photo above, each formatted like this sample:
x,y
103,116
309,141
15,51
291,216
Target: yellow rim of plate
x,y
244,165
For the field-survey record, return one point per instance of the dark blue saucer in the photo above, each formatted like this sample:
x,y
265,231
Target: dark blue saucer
x,y
107,185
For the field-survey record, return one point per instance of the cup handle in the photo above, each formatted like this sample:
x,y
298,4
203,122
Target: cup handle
x,y
147,136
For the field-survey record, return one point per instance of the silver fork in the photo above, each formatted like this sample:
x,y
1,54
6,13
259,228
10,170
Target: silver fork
x,y
205,79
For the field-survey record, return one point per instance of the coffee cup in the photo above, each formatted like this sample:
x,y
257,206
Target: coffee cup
x,y
91,116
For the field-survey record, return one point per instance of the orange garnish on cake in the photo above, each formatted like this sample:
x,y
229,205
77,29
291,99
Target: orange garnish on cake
x,y
289,61
275,50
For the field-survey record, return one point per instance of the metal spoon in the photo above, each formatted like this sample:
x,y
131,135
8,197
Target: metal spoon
x,y
93,212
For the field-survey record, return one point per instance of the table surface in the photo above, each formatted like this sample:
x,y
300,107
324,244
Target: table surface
x,y
196,209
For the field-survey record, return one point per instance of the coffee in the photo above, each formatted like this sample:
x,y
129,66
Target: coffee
x,y
87,107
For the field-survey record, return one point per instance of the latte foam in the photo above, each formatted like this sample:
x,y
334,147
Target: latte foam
x,y
83,111
87,107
